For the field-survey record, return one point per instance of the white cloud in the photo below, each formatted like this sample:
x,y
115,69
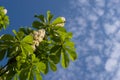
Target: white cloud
x,y
115,51
111,64
98,11
110,28
92,17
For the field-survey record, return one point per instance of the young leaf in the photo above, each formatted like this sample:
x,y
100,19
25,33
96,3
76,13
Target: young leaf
x,y
28,39
49,16
26,48
58,20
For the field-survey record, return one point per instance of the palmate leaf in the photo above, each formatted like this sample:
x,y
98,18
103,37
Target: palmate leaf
x,y
55,57
26,49
70,49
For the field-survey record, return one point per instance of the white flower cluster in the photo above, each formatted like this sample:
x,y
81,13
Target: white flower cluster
x,y
38,37
63,22
5,11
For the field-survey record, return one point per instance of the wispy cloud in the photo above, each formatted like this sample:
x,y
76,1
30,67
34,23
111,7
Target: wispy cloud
x,y
96,28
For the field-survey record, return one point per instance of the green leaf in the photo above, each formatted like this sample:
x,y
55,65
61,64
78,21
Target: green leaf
x,y
2,54
57,21
4,46
49,16
37,24
72,53
30,74
27,48
28,39
41,17
69,35
55,57
52,66
61,29
15,77
55,48
65,59
47,68
24,74
69,44
38,76
42,67
7,37
19,35
14,31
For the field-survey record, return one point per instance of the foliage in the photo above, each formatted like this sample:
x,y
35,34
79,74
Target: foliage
x,y
33,51
4,20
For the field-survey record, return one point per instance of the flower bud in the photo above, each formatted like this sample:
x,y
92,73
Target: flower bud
x,y
5,11
63,18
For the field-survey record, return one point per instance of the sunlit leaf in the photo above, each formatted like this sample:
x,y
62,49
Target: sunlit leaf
x,y
28,39
42,67
49,16
57,21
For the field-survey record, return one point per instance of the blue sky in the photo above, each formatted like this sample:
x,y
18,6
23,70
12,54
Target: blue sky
x,y
96,28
